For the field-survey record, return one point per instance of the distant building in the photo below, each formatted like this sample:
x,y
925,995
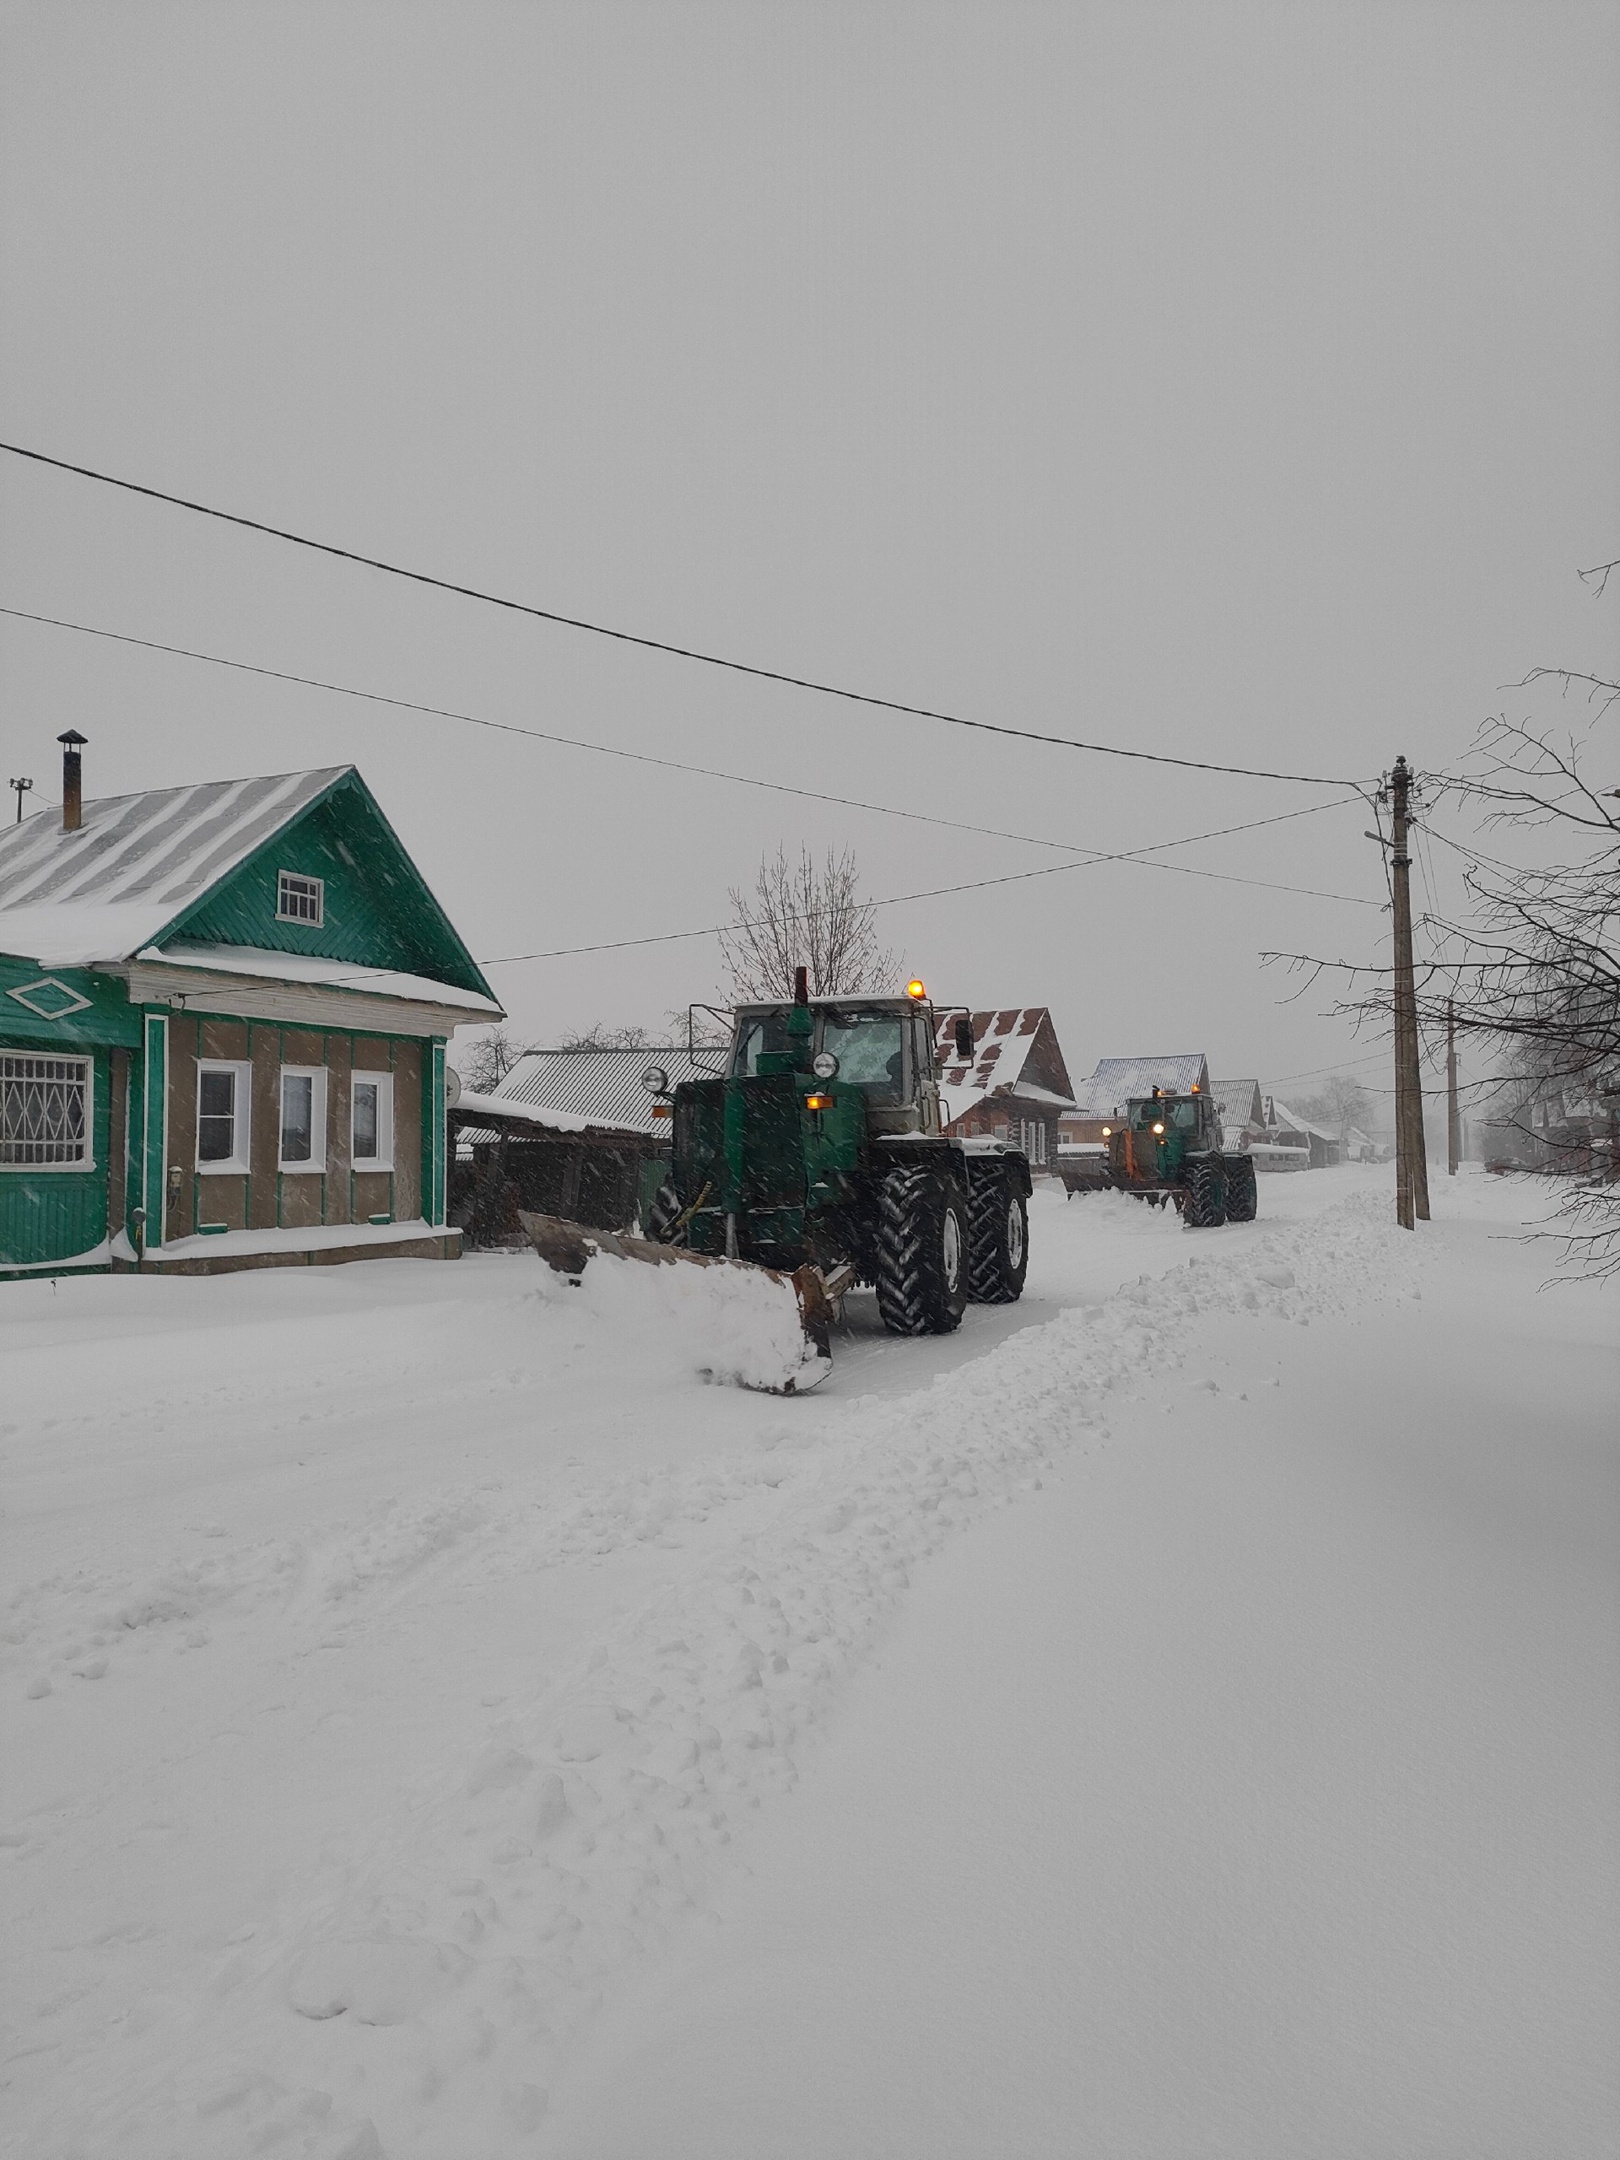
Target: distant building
x,y
1117,1080
1285,1128
1241,1111
1017,1086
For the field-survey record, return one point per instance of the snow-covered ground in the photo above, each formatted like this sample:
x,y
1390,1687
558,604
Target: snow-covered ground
x,y
1175,1715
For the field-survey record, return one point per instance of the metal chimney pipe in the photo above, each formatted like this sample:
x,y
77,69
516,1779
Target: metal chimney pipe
x,y
72,786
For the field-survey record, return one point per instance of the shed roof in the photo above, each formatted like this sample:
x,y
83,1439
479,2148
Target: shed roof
x,y
598,1087
1117,1080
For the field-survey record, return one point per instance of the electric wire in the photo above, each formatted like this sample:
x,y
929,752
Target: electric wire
x,y
662,645
708,772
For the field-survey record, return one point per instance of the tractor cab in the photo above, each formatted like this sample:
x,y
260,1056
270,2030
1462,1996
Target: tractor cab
x,y
1159,1131
880,1047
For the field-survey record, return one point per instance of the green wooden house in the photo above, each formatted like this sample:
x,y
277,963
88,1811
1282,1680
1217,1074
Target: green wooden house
x,y
223,1019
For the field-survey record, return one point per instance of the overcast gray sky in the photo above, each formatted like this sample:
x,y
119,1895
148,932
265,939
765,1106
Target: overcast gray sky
x,y
1236,381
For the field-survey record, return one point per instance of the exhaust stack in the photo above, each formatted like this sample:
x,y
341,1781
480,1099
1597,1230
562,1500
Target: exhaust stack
x,y
72,780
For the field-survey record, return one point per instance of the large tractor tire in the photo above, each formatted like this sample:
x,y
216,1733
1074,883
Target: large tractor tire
x,y
1206,1194
1242,1189
998,1237
921,1255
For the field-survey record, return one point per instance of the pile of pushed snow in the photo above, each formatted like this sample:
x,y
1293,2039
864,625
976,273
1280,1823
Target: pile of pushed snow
x,y
443,1986
737,1326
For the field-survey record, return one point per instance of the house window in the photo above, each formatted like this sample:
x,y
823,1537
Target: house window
x,y
303,1118
371,1121
223,1095
300,899
44,1112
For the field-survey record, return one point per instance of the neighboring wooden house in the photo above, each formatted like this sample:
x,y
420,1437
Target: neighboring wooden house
x,y
567,1132
1017,1087
223,1018
1242,1113
1285,1128
1117,1080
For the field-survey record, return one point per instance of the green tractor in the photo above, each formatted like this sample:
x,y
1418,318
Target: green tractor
x,y
1169,1148
820,1152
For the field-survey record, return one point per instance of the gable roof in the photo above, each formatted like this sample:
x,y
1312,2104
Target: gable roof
x,y
598,1087
1286,1120
1002,1043
138,861
1117,1080
1238,1101
141,867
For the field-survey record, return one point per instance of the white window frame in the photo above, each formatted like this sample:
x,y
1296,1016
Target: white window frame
x,y
383,1082
314,884
316,1164
87,1161
241,1118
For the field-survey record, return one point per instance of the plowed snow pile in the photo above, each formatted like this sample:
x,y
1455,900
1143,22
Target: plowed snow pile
x,y
333,1839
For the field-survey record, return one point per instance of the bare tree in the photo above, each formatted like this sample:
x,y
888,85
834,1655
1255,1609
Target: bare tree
x,y
807,914
485,1061
1532,972
603,1037
1338,1104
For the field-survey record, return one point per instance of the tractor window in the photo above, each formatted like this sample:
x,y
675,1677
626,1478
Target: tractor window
x,y
867,1046
762,1032
1183,1117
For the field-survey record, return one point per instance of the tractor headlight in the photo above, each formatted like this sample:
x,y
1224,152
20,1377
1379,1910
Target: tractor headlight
x,y
1158,1129
825,1065
1108,1132
655,1080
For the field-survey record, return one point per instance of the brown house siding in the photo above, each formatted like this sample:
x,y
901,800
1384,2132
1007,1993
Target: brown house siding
x,y
268,1197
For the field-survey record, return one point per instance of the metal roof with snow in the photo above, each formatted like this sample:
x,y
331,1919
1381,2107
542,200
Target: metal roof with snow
x,y
1117,1081
599,1087
1238,1102
161,876
1002,1044
136,863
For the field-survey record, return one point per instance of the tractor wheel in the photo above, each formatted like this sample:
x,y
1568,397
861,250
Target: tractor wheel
x,y
663,1216
998,1237
921,1257
1206,1194
1242,1190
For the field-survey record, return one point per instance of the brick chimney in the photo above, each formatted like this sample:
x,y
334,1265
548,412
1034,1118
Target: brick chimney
x,y
72,789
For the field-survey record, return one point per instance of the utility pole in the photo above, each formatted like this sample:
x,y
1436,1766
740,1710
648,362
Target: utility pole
x,y
22,787
1453,1121
1411,1164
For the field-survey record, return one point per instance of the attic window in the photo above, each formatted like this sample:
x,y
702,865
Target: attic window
x,y
300,899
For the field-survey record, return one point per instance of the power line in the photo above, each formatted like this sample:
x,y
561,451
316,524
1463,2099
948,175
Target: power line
x,y
708,772
936,892
650,644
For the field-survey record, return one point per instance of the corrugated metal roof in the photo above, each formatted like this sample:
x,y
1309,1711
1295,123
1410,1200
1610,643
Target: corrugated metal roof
x,y
136,862
1117,1080
602,1087
1238,1102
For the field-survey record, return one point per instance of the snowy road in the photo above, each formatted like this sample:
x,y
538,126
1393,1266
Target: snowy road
x,y
405,1663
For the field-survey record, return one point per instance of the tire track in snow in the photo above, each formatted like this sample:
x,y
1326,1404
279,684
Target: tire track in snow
x,y
426,2009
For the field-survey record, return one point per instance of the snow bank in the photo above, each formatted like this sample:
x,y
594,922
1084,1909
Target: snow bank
x,y
733,1325
420,2000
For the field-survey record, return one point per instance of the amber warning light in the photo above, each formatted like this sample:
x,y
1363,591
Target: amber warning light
x,y
915,989
818,1102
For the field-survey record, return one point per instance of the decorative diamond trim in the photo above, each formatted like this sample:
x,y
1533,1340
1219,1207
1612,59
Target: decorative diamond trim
x,y
60,999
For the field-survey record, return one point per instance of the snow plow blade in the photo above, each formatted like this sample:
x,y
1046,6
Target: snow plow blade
x,y
775,1360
